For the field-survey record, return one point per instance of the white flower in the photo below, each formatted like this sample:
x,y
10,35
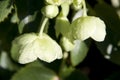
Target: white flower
x,y
31,46
89,26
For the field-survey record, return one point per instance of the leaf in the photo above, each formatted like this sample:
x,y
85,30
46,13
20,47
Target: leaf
x,y
110,50
110,17
77,75
35,72
28,11
78,53
6,63
114,76
29,7
5,9
25,21
65,70
110,46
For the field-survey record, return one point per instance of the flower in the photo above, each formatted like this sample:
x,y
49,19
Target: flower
x,y
28,47
89,26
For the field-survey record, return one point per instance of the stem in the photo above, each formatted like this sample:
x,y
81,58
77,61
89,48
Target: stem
x,y
44,21
84,8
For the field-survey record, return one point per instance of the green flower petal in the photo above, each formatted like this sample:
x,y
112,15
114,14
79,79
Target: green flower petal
x,y
83,28
25,39
28,53
66,44
20,42
50,50
100,31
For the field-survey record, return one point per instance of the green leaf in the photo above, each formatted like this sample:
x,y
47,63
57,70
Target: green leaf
x,y
6,62
65,70
29,7
28,10
5,9
25,21
77,75
110,17
110,47
35,72
110,50
78,53
114,76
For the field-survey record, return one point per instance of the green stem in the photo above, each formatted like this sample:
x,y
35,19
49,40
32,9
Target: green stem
x,y
84,8
44,21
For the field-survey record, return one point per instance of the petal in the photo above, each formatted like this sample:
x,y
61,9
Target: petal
x,y
49,49
83,27
20,42
28,53
87,28
15,51
100,32
25,38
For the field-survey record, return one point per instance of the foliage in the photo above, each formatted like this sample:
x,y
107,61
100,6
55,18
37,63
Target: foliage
x,y
34,34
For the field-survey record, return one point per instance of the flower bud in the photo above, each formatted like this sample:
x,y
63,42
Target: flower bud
x,y
33,47
77,4
66,44
62,26
50,11
89,26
